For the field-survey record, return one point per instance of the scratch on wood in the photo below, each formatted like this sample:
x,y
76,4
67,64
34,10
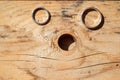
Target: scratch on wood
x,y
66,15
60,59
99,64
107,63
118,9
78,3
3,36
117,32
35,76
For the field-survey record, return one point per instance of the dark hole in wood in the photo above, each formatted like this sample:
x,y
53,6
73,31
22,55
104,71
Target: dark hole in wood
x,y
65,41
117,64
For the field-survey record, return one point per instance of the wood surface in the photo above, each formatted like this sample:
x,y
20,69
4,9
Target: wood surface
x,y
29,51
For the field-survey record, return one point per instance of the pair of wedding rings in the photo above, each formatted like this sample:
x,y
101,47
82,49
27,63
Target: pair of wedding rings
x,y
83,15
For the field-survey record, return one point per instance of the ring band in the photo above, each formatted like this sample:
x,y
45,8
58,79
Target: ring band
x,y
84,13
47,18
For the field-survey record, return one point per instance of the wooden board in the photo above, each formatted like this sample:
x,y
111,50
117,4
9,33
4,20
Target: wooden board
x,y
32,52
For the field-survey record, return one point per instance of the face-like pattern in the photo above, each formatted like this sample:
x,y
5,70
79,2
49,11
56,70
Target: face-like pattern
x,y
62,49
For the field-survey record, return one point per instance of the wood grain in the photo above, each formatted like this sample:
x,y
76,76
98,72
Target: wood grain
x,y
31,52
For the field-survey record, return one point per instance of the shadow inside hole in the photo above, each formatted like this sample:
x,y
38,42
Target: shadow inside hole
x,y
102,18
65,41
37,21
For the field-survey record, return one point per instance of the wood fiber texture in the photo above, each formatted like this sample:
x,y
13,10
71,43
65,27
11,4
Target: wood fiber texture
x,y
29,51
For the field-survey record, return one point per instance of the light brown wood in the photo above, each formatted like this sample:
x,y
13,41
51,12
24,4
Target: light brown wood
x,y
31,52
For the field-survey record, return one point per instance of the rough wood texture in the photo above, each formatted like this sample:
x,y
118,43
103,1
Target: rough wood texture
x,y
31,52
